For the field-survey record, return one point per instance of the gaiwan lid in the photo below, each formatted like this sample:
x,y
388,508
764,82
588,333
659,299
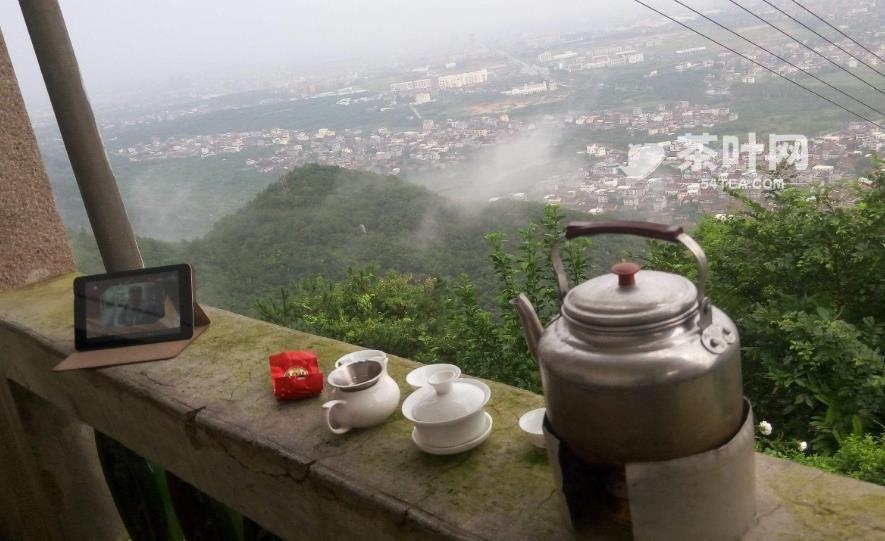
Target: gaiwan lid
x,y
446,398
629,298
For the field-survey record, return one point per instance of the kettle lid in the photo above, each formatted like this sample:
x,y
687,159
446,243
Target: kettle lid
x,y
630,299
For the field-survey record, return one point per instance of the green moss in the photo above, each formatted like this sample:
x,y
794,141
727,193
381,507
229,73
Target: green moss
x,y
820,507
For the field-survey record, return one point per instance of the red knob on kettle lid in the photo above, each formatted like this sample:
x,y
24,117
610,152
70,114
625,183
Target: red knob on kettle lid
x,y
626,271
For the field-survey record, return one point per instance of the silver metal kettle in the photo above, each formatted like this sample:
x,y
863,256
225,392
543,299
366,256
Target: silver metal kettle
x,y
639,365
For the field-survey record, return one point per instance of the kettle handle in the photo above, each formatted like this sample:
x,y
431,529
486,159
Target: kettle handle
x,y
670,233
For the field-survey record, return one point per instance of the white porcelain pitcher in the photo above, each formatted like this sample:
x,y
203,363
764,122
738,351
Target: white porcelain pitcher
x,y
363,395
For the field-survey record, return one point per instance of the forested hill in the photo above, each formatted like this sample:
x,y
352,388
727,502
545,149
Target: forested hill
x,y
321,220
325,220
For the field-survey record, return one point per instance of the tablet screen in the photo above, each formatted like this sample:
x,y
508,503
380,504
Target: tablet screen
x,y
132,305
143,306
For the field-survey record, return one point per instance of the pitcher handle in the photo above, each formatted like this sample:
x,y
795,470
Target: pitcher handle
x,y
670,233
327,416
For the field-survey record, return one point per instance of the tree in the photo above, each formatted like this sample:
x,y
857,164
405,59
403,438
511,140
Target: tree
x,y
802,278
434,320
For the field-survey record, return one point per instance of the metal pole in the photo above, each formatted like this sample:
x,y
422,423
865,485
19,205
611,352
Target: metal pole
x,y
83,143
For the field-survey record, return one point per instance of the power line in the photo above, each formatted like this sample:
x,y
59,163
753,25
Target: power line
x,y
821,19
698,32
813,31
784,32
782,59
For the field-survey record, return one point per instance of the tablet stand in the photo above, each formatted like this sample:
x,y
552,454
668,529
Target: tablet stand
x,y
99,358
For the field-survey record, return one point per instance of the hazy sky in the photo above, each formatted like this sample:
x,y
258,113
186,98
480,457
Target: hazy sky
x,y
122,43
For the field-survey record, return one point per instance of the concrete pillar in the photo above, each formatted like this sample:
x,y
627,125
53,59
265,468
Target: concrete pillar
x,y
51,485
33,244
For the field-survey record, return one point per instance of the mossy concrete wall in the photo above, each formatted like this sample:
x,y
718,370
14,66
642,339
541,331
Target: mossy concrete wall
x,y
210,417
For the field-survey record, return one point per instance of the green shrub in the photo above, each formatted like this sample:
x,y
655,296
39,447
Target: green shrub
x,y
801,277
861,457
434,320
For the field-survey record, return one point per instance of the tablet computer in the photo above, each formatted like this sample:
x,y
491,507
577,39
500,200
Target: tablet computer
x,y
133,307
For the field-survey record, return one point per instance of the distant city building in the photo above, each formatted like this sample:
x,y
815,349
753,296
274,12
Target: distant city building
x,y
531,88
564,56
461,80
548,56
603,58
634,57
411,86
596,151
823,173
422,97
691,50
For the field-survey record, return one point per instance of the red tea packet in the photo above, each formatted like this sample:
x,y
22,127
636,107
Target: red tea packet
x,y
295,374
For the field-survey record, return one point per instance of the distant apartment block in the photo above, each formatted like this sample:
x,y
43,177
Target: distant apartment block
x,y
411,86
603,60
634,57
531,88
461,80
548,56
823,173
596,151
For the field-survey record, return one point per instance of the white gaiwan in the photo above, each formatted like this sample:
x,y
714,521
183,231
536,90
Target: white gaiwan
x,y
417,378
448,413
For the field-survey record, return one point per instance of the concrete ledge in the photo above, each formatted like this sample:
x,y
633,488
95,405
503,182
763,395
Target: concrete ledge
x,y
209,416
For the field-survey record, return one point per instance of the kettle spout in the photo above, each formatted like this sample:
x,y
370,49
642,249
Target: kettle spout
x,y
531,324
